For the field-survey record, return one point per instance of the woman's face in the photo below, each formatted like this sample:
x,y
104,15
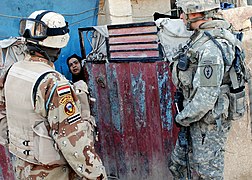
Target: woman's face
x,y
75,66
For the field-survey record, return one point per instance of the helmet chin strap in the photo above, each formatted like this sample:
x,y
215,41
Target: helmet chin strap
x,y
51,54
189,22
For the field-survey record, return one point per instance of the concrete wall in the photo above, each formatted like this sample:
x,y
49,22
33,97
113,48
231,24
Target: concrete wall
x,y
115,12
143,10
126,11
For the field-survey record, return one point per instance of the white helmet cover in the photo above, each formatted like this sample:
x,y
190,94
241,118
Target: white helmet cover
x,y
53,21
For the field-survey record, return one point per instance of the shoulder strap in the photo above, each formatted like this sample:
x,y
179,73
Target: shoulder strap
x,y
232,72
219,46
35,87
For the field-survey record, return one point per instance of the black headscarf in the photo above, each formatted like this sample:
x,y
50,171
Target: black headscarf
x,y
81,75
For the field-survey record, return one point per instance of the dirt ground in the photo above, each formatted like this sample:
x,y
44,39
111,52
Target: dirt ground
x,y
238,157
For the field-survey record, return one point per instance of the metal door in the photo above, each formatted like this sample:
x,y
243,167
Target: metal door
x,y
133,109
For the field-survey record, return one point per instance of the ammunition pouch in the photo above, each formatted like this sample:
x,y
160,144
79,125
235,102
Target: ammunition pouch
x,y
237,103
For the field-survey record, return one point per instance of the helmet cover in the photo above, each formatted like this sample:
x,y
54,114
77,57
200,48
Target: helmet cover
x,y
197,6
45,28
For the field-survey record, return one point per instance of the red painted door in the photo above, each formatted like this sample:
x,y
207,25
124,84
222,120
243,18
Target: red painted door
x,y
134,109
6,171
134,112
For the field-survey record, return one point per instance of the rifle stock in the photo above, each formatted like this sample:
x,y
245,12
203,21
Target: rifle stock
x,y
184,142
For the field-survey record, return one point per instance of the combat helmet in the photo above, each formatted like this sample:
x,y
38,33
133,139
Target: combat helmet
x,y
197,6
45,28
208,7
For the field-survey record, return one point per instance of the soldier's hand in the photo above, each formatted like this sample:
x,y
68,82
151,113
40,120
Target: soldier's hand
x,y
182,122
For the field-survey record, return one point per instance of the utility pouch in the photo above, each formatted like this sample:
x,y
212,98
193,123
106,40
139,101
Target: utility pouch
x,y
183,62
237,104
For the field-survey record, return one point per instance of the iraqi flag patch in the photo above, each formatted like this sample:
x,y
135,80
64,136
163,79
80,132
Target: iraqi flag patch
x,y
62,90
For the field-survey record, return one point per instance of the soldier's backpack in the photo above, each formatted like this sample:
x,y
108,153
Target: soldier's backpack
x,y
238,73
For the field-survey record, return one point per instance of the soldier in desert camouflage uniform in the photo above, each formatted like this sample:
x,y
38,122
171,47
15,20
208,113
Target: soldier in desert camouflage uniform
x,y
50,131
204,81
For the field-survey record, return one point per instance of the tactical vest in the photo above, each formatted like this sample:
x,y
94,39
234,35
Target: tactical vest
x,y
28,137
233,81
236,71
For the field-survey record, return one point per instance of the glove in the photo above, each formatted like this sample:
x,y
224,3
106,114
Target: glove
x,y
175,122
182,122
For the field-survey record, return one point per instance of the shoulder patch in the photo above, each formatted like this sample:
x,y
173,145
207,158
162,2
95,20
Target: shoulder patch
x,y
208,71
69,108
66,99
63,90
208,75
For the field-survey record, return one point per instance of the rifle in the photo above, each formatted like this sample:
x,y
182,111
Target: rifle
x,y
239,55
184,133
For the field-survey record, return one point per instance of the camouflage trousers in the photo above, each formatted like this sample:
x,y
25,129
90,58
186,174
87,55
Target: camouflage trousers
x,y
206,156
27,171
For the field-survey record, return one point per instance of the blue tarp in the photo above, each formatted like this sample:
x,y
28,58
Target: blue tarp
x,y
226,5
78,13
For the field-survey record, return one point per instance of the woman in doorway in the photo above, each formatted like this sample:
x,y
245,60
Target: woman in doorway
x,y
76,68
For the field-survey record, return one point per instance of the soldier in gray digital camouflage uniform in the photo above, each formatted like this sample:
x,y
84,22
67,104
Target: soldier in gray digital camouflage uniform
x,y
205,83
49,122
